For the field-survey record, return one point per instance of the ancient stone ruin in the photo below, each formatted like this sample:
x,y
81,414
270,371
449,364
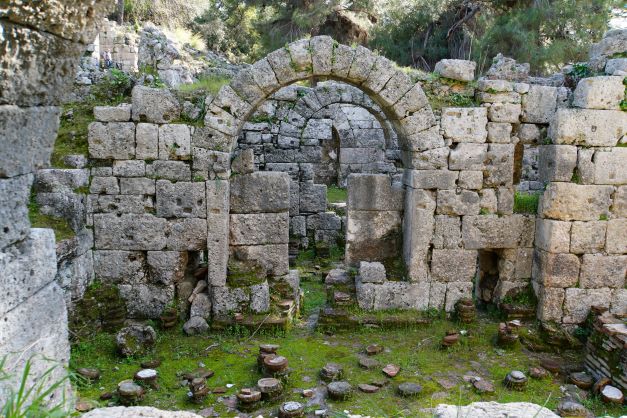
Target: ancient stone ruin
x,y
208,216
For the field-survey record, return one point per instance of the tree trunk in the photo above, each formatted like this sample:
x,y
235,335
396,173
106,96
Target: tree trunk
x,y
120,10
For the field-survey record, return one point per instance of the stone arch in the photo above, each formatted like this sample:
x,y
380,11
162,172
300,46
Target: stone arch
x,y
403,101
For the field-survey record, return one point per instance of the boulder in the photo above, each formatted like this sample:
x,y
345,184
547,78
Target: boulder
x,y
136,339
462,70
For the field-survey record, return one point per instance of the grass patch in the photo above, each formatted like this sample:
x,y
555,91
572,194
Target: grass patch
x,y
416,350
336,194
210,84
526,202
72,134
61,227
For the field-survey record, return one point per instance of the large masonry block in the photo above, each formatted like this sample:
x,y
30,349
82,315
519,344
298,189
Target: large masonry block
x,y
372,235
180,200
575,202
468,156
616,238
174,142
456,69
604,92
577,303
595,128
609,167
117,266
557,162
270,260
186,234
253,229
313,197
587,237
115,140
553,236
120,113
465,124
555,270
539,104
599,270
260,192
418,227
430,179
14,198
218,197
373,192
453,265
166,267
499,168
147,141
154,105
447,232
129,232
491,231
550,301
466,202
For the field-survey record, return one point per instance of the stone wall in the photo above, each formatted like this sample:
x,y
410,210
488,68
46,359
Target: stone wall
x,y
41,46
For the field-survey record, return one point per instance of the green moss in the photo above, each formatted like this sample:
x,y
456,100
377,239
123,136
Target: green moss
x,y
241,275
336,194
526,202
62,229
72,134
416,350
603,217
208,84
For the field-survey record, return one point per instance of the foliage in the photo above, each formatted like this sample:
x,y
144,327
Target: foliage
x,y
32,401
114,86
208,84
173,13
526,202
336,194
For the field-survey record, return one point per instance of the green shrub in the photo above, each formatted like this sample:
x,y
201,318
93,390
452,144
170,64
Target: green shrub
x,y
526,202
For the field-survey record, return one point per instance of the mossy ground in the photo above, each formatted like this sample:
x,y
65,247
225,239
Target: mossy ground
x,y
233,358
336,194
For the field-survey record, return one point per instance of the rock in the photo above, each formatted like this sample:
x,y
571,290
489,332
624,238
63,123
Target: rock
x,y
137,412
581,379
483,386
89,374
493,409
136,340
291,409
409,389
148,376
198,389
504,68
600,384
462,70
368,363
366,388
270,388
84,406
611,394
371,272
515,380
337,276
151,364
538,372
572,409
599,93
331,372
154,105
374,349
551,365
129,392
200,372
507,335
391,370
340,390
195,326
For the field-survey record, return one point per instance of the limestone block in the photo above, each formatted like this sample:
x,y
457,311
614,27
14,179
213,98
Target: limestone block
x,y
116,266
462,70
360,155
392,295
619,205
129,232
618,304
180,199
322,54
119,113
465,202
260,192
218,192
28,136
137,186
472,180
488,201
499,167
499,97
363,62
505,197
114,140
538,105
418,121
169,170
318,129
433,159
104,185
230,100
491,231
342,59
243,162
27,267
412,101
430,179
465,124
174,142
523,263
220,120
227,300
555,270
453,265
324,221
120,203
209,164
447,232
209,138
186,234
264,76
423,140
577,303
585,165
313,198
399,84
504,112
454,292
252,229
616,66
201,306
280,61
499,132
575,202
599,270
371,272
373,192
468,156
587,237
556,162
381,72
550,301
437,295
609,167
129,168
95,171
616,238
298,226
266,260
147,141
553,236
154,105
58,180
605,92
595,128
418,228
300,53
146,301
372,235
528,133
494,86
